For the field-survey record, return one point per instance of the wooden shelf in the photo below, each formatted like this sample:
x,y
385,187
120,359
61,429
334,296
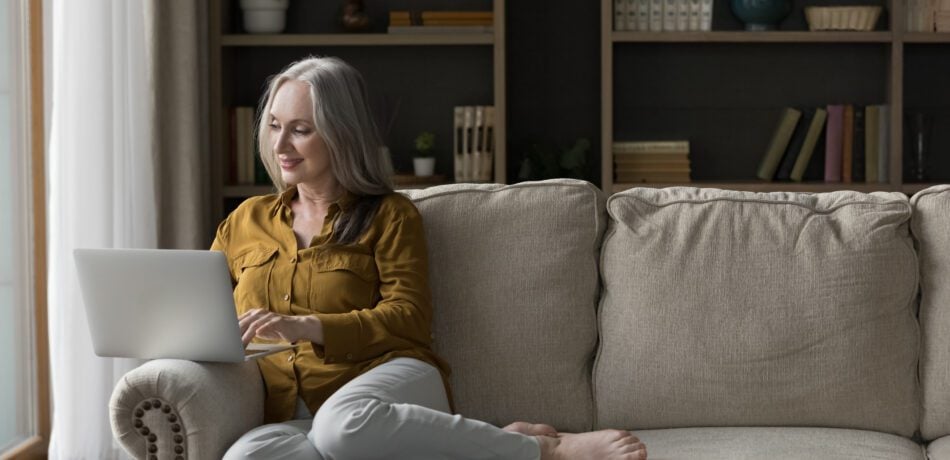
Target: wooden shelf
x,y
244,191
758,186
357,39
914,187
926,37
752,37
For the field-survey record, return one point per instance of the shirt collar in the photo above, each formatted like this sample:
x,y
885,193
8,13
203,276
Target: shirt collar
x,y
344,202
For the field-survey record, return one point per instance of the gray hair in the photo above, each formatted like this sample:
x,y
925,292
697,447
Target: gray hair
x,y
343,117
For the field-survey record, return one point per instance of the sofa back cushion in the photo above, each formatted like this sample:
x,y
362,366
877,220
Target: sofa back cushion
x,y
726,308
931,228
515,286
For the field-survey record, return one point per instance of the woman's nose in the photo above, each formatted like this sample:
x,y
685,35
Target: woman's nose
x,y
280,141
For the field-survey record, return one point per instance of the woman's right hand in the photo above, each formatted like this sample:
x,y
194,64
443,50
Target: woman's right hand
x,y
265,324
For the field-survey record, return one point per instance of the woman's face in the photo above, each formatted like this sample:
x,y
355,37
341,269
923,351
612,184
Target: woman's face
x,y
301,152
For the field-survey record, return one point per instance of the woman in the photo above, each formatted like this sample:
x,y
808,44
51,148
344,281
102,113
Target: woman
x,y
338,262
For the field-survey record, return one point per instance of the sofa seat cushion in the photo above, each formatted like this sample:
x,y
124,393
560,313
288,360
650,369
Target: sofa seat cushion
x,y
939,449
726,308
513,271
777,444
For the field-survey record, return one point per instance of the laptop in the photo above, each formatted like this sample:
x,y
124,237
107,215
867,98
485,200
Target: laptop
x,y
158,303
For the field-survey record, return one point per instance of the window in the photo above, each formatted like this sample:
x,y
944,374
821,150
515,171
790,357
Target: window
x,y
20,390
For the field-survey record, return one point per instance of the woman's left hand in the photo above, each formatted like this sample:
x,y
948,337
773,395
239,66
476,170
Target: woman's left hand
x,y
274,326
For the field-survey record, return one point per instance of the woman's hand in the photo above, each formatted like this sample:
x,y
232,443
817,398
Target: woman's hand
x,y
274,326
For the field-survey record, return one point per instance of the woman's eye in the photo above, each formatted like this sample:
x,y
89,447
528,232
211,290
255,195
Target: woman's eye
x,y
300,131
273,126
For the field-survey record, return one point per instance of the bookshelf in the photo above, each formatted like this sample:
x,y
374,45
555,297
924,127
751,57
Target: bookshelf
x,y
428,74
724,89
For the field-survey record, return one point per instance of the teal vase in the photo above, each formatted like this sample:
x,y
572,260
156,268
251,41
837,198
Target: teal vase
x,y
761,14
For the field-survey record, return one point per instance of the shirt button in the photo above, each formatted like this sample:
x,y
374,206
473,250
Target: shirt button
x,y
293,260
290,358
349,356
286,297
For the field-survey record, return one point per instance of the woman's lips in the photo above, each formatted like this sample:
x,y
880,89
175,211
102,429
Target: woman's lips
x,y
289,164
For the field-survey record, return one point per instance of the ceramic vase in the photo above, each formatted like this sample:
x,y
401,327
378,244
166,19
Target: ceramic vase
x,y
423,166
761,14
264,16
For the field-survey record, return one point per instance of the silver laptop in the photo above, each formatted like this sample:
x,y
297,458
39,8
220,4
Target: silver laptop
x,y
156,303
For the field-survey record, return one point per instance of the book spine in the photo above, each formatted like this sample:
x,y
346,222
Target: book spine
x,y
651,147
458,15
695,15
643,15
632,15
706,13
489,144
833,143
458,147
468,143
847,144
883,147
478,132
232,148
656,15
857,163
670,13
795,145
808,147
871,138
778,144
620,15
682,15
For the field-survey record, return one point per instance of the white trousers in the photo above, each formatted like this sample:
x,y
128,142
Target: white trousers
x,y
397,410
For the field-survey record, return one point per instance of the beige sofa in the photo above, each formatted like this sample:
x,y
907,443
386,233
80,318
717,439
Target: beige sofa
x,y
716,324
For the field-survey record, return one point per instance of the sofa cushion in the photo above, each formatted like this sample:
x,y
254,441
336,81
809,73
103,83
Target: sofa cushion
x,y
515,287
931,228
724,308
939,449
777,444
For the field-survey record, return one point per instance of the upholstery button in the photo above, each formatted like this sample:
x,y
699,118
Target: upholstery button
x,y
286,297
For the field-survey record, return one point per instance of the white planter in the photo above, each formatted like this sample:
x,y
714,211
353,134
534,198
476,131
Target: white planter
x,y
265,16
423,167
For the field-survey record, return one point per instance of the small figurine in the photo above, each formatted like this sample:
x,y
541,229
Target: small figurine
x,y
354,17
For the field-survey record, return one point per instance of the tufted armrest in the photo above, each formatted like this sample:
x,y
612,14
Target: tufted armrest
x,y
174,409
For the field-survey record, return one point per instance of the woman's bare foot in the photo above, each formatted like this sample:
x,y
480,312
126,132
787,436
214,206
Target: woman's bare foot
x,y
595,445
531,429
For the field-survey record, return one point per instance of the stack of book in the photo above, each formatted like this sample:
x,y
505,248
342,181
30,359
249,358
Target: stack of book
x,y
651,161
663,15
244,164
854,141
403,22
474,143
928,15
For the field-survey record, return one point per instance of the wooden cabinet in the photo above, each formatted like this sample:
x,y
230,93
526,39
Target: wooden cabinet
x,y
427,74
723,91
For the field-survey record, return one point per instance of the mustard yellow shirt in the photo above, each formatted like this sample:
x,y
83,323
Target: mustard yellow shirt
x,y
372,297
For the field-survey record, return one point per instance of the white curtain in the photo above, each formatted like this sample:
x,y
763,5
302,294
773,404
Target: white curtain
x,y
102,190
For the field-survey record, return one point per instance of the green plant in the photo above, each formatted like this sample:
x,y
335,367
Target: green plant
x,y
425,144
545,162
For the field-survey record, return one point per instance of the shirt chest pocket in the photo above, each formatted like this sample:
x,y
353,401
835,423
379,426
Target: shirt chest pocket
x,y
253,271
341,282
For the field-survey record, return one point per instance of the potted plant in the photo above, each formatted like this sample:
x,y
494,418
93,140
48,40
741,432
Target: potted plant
x,y
264,16
423,161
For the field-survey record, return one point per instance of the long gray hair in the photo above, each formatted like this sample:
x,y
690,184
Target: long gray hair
x,y
343,117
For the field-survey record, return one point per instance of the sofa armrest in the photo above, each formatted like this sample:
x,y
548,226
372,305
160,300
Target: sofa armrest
x,y
171,409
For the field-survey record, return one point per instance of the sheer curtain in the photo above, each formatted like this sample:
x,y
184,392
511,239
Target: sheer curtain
x,y
110,164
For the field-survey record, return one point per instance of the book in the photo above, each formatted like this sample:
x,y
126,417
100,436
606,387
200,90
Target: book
x,y
857,161
706,13
808,146
652,177
670,13
682,15
672,146
620,15
847,143
833,134
457,22
776,148
656,15
883,144
477,145
458,146
488,143
468,128
632,15
643,15
695,15
232,177
638,158
871,138
795,145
